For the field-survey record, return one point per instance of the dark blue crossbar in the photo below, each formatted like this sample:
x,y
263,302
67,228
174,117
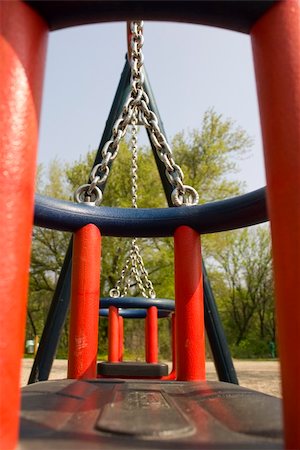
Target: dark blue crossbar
x,y
241,211
135,313
138,302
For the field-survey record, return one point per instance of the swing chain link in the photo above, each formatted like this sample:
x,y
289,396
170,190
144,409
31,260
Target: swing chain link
x,y
134,166
134,272
137,105
136,275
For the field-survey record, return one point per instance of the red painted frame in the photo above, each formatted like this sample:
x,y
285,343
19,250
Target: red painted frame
x,y
151,335
189,307
113,335
276,50
23,44
121,338
85,295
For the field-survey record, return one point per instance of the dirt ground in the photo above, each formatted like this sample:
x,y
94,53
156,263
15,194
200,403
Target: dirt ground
x,y
259,375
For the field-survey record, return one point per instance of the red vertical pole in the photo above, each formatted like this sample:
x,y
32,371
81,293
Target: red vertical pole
x,y
23,42
173,341
85,295
172,374
121,338
190,343
151,335
113,334
276,50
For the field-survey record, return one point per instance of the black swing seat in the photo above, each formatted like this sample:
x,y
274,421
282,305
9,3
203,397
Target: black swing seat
x,y
132,369
136,414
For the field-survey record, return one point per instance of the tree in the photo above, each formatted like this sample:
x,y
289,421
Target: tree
x,y
47,253
208,156
244,262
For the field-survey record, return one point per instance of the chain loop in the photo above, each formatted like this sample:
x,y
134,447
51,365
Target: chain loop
x,y
134,166
134,275
186,197
137,108
83,195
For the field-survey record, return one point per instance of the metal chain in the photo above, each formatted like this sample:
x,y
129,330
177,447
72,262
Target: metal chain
x,y
134,166
134,274
138,101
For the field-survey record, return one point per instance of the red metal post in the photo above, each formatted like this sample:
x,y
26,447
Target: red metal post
x,y
121,338
113,334
172,374
85,295
173,341
190,339
23,43
276,50
151,335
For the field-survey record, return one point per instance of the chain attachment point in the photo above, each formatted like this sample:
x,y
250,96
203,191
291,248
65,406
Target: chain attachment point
x,y
186,197
115,293
88,196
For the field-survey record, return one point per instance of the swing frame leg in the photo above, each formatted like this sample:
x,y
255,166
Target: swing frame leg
x,y
85,295
189,306
151,335
23,45
113,335
276,51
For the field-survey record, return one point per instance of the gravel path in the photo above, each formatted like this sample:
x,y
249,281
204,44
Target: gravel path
x,y
259,375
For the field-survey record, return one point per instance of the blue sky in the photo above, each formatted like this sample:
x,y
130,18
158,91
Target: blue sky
x,y
191,68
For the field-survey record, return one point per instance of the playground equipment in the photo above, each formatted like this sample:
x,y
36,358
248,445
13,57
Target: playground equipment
x,y
135,308
86,412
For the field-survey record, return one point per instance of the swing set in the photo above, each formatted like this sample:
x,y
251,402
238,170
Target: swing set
x,y
117,404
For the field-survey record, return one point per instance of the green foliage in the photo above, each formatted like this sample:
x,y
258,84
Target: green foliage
x,y
243,284
47,254
209,156
78,173
251,348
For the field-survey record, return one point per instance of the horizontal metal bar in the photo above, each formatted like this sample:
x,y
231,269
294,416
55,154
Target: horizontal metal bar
x,y
241,211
